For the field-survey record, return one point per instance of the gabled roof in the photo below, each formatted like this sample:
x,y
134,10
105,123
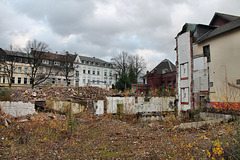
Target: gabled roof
x,y
165,66
220,30
226,17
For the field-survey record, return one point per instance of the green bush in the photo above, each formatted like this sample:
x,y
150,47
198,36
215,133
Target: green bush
x,y
5,95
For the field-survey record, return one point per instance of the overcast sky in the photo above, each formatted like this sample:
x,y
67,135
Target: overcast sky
x,y
104,28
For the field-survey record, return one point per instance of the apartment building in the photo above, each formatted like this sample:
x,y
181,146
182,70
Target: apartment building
x,y
56,70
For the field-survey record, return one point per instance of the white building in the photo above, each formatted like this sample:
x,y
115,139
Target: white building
x,y
93,71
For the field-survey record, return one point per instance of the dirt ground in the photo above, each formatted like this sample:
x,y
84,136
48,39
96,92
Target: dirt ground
x,y
54,136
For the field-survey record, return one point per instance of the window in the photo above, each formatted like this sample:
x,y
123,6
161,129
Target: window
x,y
93,72
77,73
184,71
56,63
184,96
206,52
89,71
105,73
19,80
93,81
25,70
0,68
44,61
13,80
89,80
110,73
25,81
98,81
98,72
84,71
3,79
84,80
53,80
59,81
31,80
26,60
238,81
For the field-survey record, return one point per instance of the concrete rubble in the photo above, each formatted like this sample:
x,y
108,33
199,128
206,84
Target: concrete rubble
x,y
59,93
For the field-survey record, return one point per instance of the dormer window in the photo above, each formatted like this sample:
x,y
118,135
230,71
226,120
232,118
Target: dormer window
x,y
56,63
44,61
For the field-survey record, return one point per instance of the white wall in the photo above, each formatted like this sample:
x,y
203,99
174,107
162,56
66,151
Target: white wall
x,y
184,57
200,74
133,106
17,109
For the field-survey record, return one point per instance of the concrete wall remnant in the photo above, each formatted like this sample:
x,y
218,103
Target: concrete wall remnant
x,y
62,106
133,106
17,109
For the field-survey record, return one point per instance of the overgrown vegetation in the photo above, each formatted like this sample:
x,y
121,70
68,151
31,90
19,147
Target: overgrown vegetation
x,y
47,136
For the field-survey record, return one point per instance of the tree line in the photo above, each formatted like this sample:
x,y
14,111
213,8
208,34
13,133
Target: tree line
x,y
128,67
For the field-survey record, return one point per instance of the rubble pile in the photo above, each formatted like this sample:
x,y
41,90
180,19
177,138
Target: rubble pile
x,y
59,93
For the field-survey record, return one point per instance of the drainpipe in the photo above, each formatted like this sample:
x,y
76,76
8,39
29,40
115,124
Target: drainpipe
x,y
177,85
191,81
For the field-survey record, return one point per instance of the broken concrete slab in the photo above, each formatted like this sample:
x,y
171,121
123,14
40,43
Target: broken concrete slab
x,y
198,124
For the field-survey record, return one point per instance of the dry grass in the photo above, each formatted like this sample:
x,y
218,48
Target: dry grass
x,y
109,138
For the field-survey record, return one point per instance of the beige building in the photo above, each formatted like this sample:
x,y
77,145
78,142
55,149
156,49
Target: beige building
x,y
54,70
209,56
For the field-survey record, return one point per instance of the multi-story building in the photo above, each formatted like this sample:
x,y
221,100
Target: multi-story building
x,y
93,71
207,62
56,70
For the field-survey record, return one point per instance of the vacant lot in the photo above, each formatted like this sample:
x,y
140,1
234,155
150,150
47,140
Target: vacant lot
x,y
52,136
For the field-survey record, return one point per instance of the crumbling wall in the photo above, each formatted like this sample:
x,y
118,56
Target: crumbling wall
x,y
62,106
134,105
17,109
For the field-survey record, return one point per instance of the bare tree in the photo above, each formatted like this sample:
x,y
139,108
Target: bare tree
x,y
67,68
36,50
138,63
121,63
9,65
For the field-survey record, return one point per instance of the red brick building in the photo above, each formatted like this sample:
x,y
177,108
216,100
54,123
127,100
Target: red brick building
x,y
162,77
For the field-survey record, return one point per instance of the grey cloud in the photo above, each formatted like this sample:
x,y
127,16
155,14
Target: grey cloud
x,y
102,28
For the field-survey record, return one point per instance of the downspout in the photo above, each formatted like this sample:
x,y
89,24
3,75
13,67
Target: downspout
x,y
191,81
177,68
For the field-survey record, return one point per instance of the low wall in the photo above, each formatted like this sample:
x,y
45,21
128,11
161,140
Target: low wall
x,y
211,116
17,109
133,105
62,106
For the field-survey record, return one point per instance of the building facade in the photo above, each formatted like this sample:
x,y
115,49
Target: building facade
x,y
55,70
162,77
207,62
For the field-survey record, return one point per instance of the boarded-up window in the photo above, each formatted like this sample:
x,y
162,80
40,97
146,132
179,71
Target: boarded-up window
x,y
184,70
184,96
